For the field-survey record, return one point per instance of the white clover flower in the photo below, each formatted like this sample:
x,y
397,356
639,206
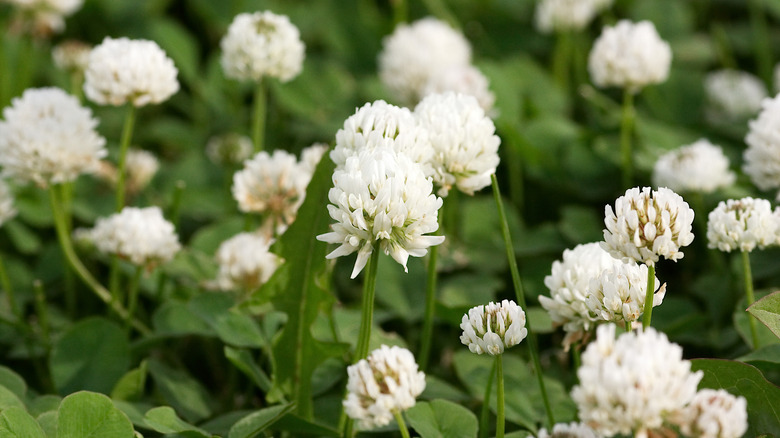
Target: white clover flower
x,y
733,95
743,225
491,329
386,382
568,284
48,137
141,167
245,262
71,55
618,294
311,156
570,430
48,16
229,149
382,198
465,146
647,225
630,385
139,235
762,156
272,184
379,124
629,55
698,167
415,53
262,44
713,414
7,210
465,79
567,15
123,70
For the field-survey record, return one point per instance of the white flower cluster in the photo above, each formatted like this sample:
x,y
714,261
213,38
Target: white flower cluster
x,y
733,95
262,44
618,294
570,430
382,198
567,15
272,184
123,70
229,149
71,55
465,79
743,225
698,167
386,382
7,210
629,55
632,384
48,15
491,329
713,414
646,225
141,167
465,146
139,235
762,156
245,262
48,137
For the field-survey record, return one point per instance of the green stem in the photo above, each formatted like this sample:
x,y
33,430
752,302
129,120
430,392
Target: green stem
x,y
761,48
649,293
132,294
42,311
5,281
518,286
723,47
562,60
430,303
626,131
440,10
499,397
399,418
70,287
575,355
258,117
124,145
749,295
175,216
400,11
484,415
70,254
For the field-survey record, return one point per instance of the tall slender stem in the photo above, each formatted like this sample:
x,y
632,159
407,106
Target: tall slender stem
x,y
430,302
761,41
400,11
70,286
561,62
484,415
132,294
42,311
70,254
124,145
399,418
520,294
258,117
440,10
9,291
499,396
626,132
649,293
748,276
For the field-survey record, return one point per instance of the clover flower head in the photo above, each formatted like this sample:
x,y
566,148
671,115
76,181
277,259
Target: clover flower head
x,y
47,16
567,15
139,235
629,55
414,53
646,225
618,294
382,198
465,146
733,95
493,328
141,167
762,156
743,224
71,55
386,382
229,149
47,137
699,167
569,430
7,210
379,124
632,384
123,70
713,414
569,283
462,78
245,262
262,44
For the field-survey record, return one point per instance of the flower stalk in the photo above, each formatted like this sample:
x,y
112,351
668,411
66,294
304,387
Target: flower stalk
x,y
430,301
124,145
626,132
367,313
500,396
748,277
648,312
258,117
399,418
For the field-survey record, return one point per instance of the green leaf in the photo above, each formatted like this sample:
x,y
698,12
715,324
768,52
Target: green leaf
x,y
163,419
43,404
92,355
767,310
91,415
256,422
13,382
48,422
175,318
297,290
181,391
232,326
25,241
744,380
243,360
15,422
8,399
442,419
131,385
